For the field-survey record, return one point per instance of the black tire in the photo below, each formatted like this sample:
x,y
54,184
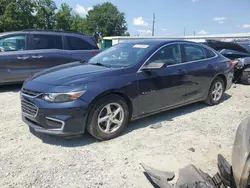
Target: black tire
x,y
210,100
92,123
245,78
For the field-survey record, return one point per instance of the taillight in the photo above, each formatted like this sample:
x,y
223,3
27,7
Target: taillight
x,y
95,52
233,63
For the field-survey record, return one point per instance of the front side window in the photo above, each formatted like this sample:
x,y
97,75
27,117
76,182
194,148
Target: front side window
x,y
13,43
47,42
122,55
169,55
194,52
75,43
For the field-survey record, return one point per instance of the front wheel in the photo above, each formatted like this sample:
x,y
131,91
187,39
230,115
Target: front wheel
x,y
245,78
216,92
108,118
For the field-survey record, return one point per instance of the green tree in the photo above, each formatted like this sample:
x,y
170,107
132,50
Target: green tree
x,y
106,19
64,17
17,15
46,14
78,24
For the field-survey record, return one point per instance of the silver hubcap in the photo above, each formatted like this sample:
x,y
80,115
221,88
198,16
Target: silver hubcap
x,y
110,118
217,91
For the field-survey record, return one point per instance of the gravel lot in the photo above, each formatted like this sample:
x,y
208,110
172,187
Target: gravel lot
x,y
28,160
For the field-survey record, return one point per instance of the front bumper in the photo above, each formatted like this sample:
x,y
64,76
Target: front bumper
x,y
60,119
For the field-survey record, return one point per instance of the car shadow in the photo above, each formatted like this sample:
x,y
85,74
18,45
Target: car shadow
x,y
10,88
87,139
72,141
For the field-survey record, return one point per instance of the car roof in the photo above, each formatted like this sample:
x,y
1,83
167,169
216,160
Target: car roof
x,y
9,33
71,33
156,41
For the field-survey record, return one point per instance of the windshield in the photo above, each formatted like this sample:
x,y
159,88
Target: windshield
x,y
121,55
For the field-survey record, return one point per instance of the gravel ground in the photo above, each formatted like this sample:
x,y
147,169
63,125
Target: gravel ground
x,y
28,160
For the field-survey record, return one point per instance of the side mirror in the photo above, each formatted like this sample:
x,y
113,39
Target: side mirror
x,y
153,66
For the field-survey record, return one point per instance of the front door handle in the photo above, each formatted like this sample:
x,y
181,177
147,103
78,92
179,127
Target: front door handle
x,y
23,57
37,56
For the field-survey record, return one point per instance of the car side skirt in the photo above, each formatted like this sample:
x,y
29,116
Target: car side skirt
x,y
166,109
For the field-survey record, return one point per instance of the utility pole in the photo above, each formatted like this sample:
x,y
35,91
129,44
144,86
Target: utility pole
x,y
194,33
184,31
153,27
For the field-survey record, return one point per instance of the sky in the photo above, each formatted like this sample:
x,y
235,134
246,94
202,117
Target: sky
x,y
174,17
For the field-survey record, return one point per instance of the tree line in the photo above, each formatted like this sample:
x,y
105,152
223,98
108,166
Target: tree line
x,y
104,19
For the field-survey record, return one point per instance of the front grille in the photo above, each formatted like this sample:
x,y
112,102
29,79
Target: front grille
x,y
30,93
28,108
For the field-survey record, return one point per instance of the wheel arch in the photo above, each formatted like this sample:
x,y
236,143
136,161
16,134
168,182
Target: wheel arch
x,y
111,92
223,77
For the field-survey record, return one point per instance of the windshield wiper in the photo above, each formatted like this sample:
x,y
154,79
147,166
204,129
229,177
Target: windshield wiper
x,y
100,64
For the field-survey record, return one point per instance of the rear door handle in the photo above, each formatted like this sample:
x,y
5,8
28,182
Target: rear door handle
x,y
23,57
37,56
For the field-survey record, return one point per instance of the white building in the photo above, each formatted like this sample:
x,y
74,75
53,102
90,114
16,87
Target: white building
x,y
224,37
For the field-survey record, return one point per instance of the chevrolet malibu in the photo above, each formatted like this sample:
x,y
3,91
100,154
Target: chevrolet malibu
x,y
128,81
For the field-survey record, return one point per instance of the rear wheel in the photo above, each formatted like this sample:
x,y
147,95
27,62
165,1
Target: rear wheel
x,y
108,118
216,92
245,78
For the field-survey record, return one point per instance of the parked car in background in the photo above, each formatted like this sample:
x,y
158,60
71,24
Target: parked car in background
x,y
24,53
239,52
125,82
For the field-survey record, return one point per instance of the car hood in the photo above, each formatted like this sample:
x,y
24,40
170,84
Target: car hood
x,y
71,74
219,45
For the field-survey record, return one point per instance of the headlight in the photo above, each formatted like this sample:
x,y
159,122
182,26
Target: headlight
x,y
63,97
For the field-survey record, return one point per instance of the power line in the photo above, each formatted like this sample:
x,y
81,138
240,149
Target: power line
x,y
153,27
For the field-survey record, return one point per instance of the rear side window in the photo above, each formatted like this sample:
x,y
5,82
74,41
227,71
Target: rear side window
x,y
76,43
209,53
194,52
47,42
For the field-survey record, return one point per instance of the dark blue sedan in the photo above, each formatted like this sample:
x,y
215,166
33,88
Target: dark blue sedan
x,y
125,82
